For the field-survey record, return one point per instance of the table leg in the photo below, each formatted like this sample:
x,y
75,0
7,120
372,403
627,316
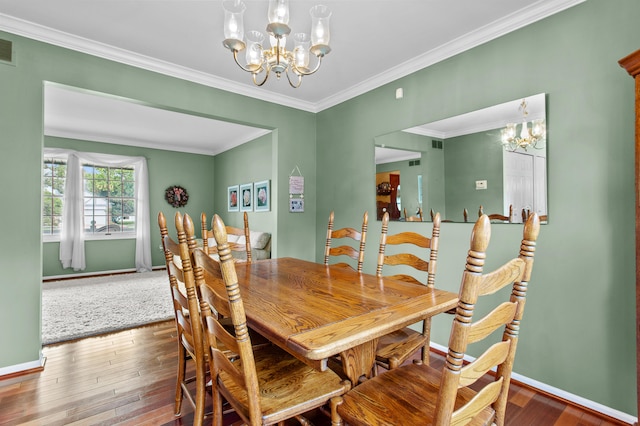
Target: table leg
x,y
359,361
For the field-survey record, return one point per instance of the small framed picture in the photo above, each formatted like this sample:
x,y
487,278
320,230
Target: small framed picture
x,y
296,205
246,197
262,195
232,199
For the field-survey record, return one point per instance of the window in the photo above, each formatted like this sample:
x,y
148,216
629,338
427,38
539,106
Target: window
x,y
109,199
52,196
102,195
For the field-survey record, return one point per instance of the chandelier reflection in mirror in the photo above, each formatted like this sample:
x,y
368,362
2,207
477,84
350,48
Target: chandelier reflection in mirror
x,y
259,60
528,138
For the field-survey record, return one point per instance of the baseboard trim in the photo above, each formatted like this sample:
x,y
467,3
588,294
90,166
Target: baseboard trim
x,y
95,274
559,394
23,369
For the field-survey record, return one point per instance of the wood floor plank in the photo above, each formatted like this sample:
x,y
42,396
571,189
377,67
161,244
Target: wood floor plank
x,y
128,378
521,396
570,417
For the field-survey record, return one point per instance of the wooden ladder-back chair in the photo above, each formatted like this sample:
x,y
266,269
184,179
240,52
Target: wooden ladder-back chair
x,y
416,218
264,387
498,216
526,213
242,233
395,348
185,307
360,237
419,394
465,216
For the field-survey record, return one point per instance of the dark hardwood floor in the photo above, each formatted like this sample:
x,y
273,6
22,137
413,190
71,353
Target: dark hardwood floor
x,y
127,378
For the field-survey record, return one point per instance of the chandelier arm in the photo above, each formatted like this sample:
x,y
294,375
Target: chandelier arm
x,y
244,68
302,72
295,86
266,76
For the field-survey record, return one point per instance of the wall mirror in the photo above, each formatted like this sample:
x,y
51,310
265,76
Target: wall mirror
x,y
482,160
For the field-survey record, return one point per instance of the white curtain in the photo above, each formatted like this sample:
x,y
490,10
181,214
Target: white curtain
x,y
72,236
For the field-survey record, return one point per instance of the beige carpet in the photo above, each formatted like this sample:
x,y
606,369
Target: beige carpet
x,y
90,306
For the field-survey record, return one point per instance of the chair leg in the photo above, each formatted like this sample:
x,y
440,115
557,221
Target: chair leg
x,y
336,420
425,355
218,413
426,330
198,415
182,367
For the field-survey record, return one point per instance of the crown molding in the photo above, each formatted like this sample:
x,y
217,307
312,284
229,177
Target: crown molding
x,y
535,12
80,44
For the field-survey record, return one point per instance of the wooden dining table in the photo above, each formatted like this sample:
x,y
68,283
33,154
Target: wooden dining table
x,y
315,311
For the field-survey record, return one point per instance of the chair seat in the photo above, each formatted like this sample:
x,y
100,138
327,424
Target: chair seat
x,y
396,347
378,401
288,387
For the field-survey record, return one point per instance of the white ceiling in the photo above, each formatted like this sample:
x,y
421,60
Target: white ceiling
x,y
489,118
77,114
183,38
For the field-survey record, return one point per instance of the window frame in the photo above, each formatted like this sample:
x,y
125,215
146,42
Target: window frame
x,y
88,236
51,161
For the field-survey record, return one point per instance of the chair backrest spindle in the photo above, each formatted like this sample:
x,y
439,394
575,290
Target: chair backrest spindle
x,y
359,237
241,233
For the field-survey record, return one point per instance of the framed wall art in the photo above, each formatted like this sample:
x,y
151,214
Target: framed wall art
x,y
296,205
262,195
232,199
246,197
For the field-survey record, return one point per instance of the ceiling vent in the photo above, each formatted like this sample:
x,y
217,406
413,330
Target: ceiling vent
x,y
6,51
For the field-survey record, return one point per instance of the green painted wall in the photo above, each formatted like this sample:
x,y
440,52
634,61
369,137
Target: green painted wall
x,y
21,108
166,168
469,158
248,163
578,334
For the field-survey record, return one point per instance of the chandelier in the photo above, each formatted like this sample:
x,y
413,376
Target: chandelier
x,y
260,60
528,138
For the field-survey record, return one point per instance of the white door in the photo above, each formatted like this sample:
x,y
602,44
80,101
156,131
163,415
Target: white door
x,y
518,174
540,186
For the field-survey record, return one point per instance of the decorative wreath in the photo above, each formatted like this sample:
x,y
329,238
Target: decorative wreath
x,y
176,196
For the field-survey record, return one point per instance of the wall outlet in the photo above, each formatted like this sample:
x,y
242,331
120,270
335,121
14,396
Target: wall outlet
x,y
481,184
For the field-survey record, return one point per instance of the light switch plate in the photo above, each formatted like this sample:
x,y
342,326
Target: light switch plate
x,y
481,184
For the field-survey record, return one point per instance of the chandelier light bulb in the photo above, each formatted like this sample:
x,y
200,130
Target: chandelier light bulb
x,y
233,29
508,133
254,48
538,128
301,50
233,19
278,11
320,18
